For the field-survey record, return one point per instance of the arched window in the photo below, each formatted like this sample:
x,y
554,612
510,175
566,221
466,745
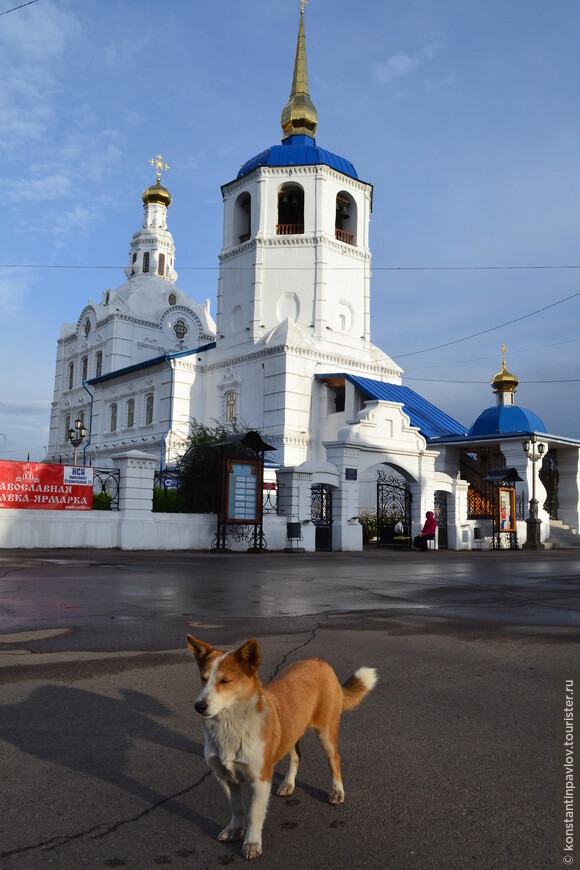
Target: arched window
x,y
66,427
99,364
71,375
242,218
113,426
130,413
172,299
149,409
290,210
231,403
85,367
161,265
146,261
345,220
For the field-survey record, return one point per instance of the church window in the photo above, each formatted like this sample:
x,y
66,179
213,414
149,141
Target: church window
x,y
71,375
66,427
231,409
242,218
290,211
114,417
85,367
180,329
87,327
130,413
149,409
99,364
161,265
146,261
134,257
172,299
345,220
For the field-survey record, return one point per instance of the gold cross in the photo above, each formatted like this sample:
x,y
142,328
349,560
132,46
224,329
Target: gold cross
x,y
503,349
159,165
303,3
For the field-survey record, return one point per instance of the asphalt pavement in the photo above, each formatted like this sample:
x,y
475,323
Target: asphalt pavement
x,y
456,759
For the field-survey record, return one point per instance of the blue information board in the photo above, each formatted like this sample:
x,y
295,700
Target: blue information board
x,y
243,477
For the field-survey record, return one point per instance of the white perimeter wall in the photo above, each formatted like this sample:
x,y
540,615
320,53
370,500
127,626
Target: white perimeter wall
x,y
124,530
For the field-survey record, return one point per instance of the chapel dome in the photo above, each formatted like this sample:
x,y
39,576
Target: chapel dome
x,y
506,419
157,193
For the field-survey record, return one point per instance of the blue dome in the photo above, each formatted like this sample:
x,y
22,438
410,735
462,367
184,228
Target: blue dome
x,y
505,420
298,151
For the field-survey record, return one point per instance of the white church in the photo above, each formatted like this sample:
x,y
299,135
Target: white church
x,y
289,352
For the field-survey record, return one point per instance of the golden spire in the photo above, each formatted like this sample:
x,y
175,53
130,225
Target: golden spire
x,y
299,117
504,381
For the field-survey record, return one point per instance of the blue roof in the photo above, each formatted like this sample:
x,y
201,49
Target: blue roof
x,y
430,420
148,363
505,419
298,151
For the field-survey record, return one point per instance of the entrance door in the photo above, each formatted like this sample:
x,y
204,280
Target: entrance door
x,y
321,515
393,511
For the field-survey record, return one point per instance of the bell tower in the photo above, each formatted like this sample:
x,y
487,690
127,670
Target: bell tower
x,y
295,250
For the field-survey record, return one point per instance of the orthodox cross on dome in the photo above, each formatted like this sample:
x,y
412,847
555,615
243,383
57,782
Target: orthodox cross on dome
x,y
159,165
303,3
503,349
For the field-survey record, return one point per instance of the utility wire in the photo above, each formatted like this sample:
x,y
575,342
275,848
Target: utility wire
x,y
306,268
485,331
22,5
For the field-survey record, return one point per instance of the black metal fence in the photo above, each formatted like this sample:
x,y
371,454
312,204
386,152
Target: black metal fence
x,y
106,485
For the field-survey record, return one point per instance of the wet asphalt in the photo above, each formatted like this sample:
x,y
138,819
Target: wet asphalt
x,y
455,759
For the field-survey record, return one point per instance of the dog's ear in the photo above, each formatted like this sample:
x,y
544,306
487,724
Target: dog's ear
x,y
199,649
249,656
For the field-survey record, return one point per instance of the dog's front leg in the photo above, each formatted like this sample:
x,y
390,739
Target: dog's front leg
x,y
252,847
237,826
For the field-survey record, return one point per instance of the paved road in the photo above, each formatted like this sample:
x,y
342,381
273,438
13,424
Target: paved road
x,y
455,760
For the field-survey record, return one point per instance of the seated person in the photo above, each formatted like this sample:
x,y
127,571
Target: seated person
x,y
427,533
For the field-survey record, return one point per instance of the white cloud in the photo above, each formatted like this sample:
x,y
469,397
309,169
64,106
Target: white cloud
x,y
402,64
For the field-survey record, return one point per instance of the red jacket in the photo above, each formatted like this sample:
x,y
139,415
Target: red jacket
x,y
430,524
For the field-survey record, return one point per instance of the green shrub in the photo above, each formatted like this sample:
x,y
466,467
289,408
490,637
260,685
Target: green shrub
x,y
101,501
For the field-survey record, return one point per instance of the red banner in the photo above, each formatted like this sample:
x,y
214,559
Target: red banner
x,y
35,486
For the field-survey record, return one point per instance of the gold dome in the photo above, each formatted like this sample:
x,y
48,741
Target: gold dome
x,y
157,193
504,381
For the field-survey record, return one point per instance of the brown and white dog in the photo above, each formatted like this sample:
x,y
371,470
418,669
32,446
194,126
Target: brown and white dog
x,y
249,727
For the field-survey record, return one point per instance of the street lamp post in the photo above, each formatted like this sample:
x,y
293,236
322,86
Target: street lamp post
x,y
533,523
76,436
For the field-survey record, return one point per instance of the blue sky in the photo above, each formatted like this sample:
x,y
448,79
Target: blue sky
x,y
463,114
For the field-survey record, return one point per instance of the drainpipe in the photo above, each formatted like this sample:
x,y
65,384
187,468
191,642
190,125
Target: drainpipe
x,y
88,441
166,433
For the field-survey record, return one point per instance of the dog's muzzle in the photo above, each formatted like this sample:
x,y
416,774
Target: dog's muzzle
x,y
201,706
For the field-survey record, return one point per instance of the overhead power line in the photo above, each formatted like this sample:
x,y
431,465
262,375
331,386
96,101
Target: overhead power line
x,y
22,5
486,331
548,268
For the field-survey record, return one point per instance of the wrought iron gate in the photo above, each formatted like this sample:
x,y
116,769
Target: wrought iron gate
x,y
393,507
440,510
321,515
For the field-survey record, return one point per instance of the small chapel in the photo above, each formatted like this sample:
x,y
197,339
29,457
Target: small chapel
x,y
288,353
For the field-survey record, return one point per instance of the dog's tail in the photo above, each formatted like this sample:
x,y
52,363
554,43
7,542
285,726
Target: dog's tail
x,y
357,687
